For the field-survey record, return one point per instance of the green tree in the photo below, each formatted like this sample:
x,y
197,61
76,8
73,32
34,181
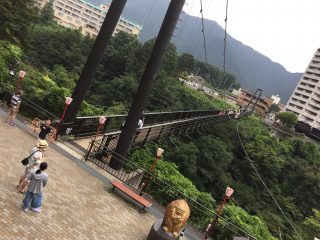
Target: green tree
x,y
186,63
274,108
251,224
17,19
289,119
311,225
8,53
46,14
52,45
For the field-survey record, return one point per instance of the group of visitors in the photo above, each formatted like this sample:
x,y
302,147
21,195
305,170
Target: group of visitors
x,y
34,178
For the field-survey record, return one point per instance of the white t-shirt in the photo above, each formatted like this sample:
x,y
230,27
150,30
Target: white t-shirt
x,y
36,157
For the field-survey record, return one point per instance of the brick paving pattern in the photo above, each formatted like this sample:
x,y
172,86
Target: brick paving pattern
x,y
75,204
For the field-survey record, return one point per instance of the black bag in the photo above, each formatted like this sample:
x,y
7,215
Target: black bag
x,y
25,161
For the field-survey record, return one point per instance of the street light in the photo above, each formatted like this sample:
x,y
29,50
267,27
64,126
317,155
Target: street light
x,y
159,153
22,74
211,227
12,68
102,121
68,101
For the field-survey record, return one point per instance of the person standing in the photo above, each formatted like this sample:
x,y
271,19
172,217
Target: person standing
x,y
35,159
38,180
14,107
45,129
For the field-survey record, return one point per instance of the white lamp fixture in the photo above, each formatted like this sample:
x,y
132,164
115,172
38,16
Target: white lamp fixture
x,y
12,72
102,120
159,152
68,100
229,192
22,74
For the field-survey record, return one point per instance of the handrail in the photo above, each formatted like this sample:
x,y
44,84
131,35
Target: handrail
x,y
87,126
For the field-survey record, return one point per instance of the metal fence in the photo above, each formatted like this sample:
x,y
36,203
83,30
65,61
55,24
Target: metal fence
x,y
157,190
87,126
157,132
28,109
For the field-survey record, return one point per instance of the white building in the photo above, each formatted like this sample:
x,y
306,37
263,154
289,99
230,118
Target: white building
x,y
276,99
305,99
88,18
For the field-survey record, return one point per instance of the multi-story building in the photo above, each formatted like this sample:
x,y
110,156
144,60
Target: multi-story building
x,y
263,103
305,99
88,18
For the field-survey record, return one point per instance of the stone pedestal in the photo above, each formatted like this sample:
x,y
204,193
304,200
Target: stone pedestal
x,y
157,233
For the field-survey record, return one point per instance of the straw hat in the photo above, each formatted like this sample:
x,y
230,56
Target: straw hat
x,y
42,144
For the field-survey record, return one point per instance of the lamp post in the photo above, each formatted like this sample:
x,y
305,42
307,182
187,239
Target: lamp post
x,y
68,101
12,68
12,73
211,227
102,121
159,153
22,74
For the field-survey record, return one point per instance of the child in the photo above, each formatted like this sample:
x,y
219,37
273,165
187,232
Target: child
x,y
38,180
45,129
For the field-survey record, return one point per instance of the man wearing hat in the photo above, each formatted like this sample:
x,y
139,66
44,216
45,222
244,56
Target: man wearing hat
x,y
35,158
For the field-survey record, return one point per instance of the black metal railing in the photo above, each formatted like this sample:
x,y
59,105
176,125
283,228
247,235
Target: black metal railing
x,y
157,190
28,109
87,126
156,132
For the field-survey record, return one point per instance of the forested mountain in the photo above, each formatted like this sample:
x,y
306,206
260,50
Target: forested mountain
x,y
251,68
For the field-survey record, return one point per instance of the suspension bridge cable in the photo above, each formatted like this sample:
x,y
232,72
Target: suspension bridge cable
x,y
264,184
203,33
225,38
149,14
184,22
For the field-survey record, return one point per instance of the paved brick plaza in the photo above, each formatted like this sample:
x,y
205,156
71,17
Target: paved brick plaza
x,y
75,205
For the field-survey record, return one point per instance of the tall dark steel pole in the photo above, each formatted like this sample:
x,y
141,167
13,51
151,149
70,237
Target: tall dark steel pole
x,y
95,57
147,79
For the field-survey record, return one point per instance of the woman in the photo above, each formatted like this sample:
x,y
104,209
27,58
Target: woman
x,y
35,159
37,181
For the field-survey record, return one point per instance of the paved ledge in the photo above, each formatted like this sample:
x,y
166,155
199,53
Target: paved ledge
x,y
75,204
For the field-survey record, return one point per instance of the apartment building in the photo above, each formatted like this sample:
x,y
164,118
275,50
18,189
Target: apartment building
x,y
305,99
263,103
88,18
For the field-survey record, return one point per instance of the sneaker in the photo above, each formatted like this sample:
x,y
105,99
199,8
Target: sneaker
x,y
25,209
11,124
36,209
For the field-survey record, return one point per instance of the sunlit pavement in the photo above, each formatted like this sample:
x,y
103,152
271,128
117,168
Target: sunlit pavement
x,y
76,204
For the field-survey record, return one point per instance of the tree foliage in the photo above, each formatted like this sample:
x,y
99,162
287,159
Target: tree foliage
x,y
217,159
289,119
312,225
17,19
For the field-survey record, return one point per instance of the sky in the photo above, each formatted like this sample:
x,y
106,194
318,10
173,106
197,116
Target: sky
x,y
286,31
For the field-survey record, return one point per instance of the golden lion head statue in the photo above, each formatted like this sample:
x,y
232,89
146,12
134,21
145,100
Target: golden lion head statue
x,y
176,217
